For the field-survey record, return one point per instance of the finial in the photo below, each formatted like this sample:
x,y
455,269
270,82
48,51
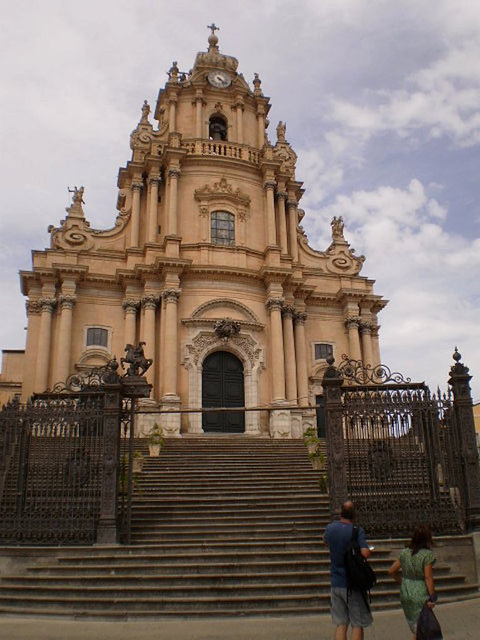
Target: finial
x,y
212,38
457,356
256,83
145,112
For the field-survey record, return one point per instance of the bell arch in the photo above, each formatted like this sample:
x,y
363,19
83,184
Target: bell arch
x,y
250,354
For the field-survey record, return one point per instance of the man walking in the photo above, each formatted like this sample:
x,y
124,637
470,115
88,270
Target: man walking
x,y
347,608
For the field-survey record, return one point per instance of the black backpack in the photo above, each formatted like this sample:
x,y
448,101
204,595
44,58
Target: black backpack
x,y
360,575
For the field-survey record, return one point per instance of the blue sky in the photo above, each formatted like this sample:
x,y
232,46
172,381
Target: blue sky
x,y
382,105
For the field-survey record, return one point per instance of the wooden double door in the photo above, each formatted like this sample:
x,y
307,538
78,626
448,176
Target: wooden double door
x,y
223,386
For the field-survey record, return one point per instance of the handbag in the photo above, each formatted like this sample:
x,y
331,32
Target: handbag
x,y
428,627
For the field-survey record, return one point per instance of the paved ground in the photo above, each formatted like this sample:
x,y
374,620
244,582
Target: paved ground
x,y
460,621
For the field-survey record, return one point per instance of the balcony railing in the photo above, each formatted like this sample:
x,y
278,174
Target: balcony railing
x,y
222,149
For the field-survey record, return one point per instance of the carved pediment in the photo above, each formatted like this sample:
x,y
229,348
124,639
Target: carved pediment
x,y
222,190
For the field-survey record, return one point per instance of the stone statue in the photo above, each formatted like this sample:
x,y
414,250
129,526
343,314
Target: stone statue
x,y
77,197
136,359
337,228
145,111
281,129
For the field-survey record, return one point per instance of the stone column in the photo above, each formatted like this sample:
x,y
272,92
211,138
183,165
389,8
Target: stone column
x,y
300,318
152,227
136,188
292,228
352,325
173,176
149,304
44,344
130,308
239,107
282,220
366,331
261,129
289,350
34,309
172,114
269,186
64,344
277,360
199,116
170,355
376,345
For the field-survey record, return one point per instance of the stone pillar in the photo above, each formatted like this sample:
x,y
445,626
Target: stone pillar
x,y
170,355
135,215
465,425
130,308
239,107
269,186
300,318
172,114
44,344
282,220
376,345
199,115
173,176
289,350
292,229
152,226
260,129
34,309
149,304
366,331
64,344
277,360
352,325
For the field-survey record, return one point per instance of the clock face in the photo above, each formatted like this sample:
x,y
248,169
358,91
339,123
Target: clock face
x,y
219,79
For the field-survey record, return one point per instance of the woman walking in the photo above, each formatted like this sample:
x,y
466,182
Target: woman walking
x,y
414,572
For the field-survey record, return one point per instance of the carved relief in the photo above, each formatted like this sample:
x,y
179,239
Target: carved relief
x,y
224,190
226,328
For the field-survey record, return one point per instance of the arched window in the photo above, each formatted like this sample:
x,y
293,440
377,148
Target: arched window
x,y
217,128
222,225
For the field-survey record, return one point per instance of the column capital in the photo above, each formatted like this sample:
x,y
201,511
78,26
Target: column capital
x,y
171,295
136,186
174,172
281,195
274,304
48,304
269,184
366,327
288,311
352,322
33,307
150,301
292,203
300,317
155,180
130,305
67,302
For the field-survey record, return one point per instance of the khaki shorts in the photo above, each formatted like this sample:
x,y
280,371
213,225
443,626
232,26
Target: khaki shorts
x,y
349,609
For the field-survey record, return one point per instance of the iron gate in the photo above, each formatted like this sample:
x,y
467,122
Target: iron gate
x,y
63,478
399,452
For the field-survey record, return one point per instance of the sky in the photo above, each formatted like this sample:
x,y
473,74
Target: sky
x,y
382,105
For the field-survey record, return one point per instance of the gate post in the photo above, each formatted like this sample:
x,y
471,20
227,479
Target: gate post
x,y
107,524
337,477
465,425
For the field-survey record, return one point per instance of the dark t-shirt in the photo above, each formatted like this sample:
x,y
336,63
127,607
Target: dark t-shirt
x,y
337,536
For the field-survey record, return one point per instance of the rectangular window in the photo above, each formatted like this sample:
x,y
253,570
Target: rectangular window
x,y
222,226
323,350
98,337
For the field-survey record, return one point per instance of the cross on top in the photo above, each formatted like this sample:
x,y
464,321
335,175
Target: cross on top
x,y
213,27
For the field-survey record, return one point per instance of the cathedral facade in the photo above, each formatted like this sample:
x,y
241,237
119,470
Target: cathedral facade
x,y
207,268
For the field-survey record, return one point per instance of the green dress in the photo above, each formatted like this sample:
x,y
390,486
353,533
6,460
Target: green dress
x,y
413,590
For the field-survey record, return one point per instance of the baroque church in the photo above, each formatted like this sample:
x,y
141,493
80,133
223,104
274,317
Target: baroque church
x,y
206,268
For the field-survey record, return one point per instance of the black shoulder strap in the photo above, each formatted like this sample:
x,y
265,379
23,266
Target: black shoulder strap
x,y
354,533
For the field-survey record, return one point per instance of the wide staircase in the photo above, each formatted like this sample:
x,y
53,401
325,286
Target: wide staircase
x,y
220,526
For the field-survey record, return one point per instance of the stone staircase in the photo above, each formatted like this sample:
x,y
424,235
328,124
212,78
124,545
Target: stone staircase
x,y
221,526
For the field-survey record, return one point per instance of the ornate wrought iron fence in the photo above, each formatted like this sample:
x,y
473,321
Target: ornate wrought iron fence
x,y
396,450
62,461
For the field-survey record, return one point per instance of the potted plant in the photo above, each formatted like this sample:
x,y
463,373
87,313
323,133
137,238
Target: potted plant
x,y
317,459
323,482
155,440
311,440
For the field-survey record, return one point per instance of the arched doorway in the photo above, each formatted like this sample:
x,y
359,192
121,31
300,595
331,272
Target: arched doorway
x,y
222,386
